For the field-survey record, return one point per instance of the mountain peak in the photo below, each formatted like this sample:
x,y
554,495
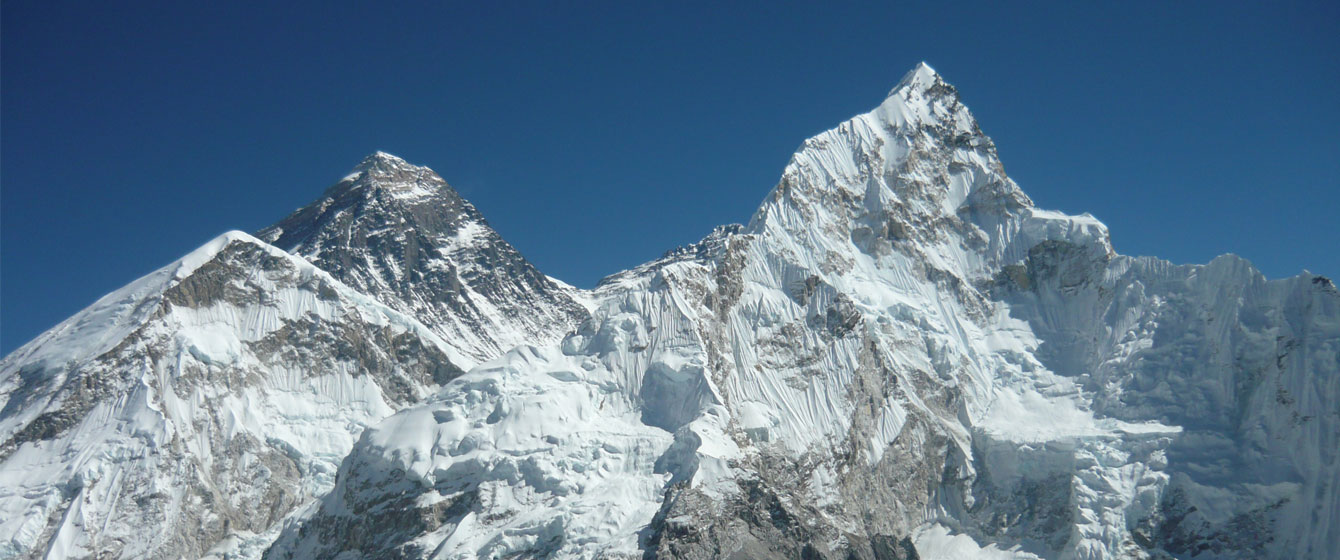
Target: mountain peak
x,y
921,78
381,172
103,325
380,164
923,97
381,159
398,232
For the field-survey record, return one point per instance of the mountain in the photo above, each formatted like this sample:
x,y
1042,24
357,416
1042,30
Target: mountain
x,y
204,402
235,380
399,233
899,356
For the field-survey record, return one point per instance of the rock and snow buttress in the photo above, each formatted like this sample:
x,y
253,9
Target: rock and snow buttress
x,y
199,406
899,356
216,397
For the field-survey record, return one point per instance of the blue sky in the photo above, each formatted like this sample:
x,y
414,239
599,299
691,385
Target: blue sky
x,y
594,136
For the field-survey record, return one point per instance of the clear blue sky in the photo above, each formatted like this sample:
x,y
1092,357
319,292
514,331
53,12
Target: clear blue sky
x,y
596,136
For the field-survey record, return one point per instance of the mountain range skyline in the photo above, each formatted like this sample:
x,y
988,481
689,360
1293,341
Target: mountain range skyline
x,y
133,135
899,355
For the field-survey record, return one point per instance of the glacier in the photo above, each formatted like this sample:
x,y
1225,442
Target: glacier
x,y
899,356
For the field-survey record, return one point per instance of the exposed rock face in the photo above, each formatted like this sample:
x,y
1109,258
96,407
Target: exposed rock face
x,y
399,233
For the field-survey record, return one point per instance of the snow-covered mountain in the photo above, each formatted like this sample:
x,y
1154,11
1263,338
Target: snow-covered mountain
x,y
199,406
898,357
235,380
898,354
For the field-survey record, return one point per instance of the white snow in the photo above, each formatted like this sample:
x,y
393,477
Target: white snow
x,y
883,280
937,542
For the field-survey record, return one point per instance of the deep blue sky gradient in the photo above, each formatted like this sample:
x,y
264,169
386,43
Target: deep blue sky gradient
x,y
596,136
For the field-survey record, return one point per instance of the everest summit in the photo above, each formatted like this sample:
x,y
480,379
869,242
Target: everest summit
x,y
399,233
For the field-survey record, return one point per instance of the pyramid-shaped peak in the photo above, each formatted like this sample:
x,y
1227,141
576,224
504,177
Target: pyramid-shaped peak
x,y
922,97
384,172
381,160
920,78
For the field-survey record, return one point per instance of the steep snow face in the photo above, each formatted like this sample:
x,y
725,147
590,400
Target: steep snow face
x,y
399,233
199,406
1247,370
897,353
